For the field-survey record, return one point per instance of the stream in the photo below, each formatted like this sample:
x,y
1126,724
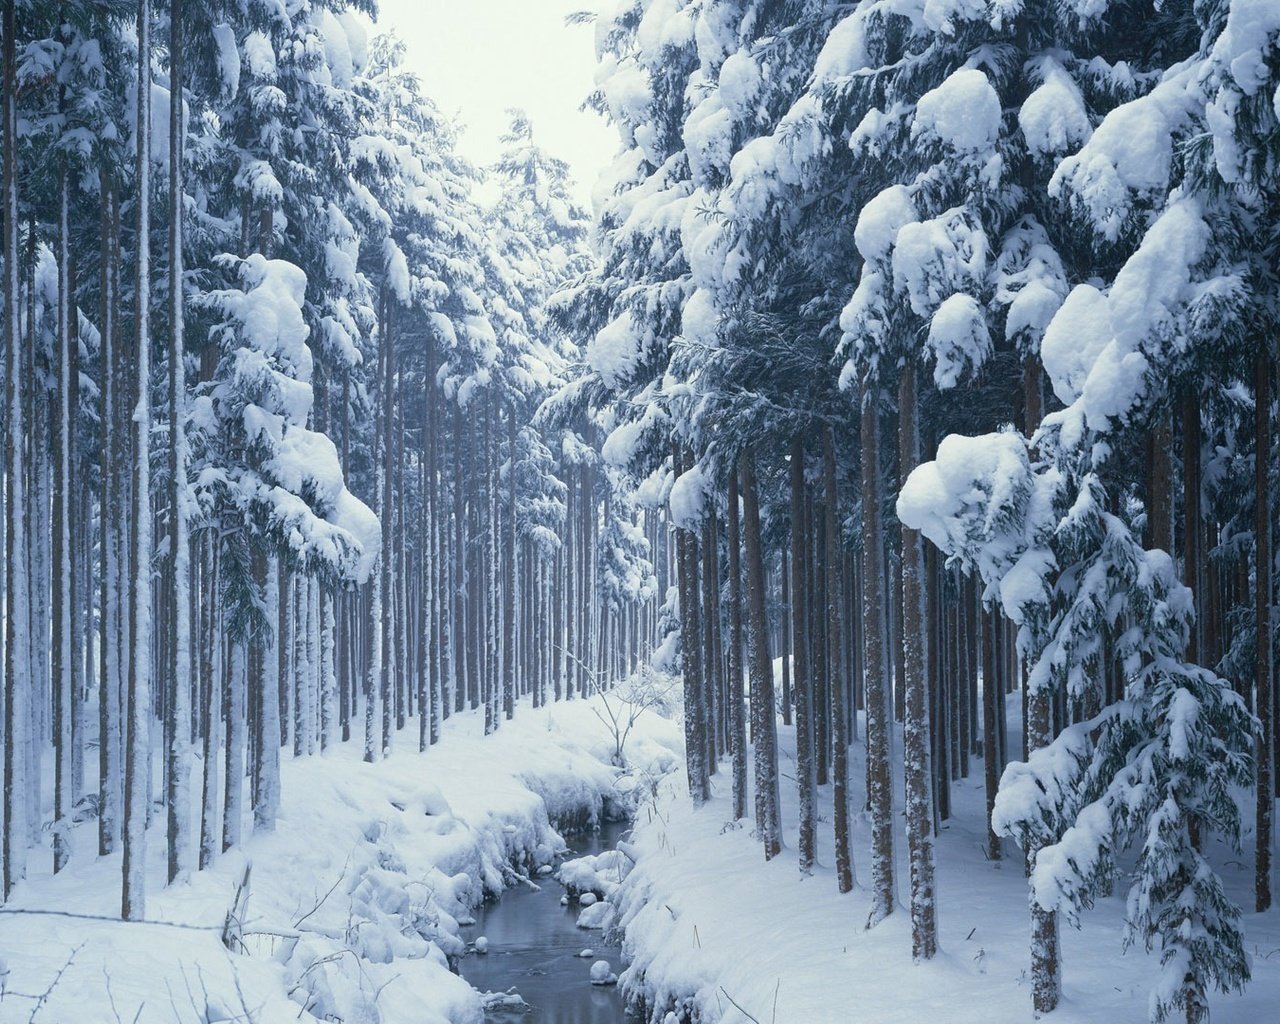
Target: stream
x,y
533,948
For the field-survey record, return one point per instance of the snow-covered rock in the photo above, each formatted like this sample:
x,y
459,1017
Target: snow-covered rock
x,y
597,917
597,875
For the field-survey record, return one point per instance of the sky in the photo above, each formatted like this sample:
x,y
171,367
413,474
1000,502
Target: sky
x,y
477,58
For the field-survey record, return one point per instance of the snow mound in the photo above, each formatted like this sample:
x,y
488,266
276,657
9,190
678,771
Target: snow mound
x,y
595,876
598,917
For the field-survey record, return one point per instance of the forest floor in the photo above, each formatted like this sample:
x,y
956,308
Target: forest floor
x,y
713,928
353,902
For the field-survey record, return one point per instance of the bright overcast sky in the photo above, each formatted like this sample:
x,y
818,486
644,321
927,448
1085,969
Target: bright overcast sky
x,y
477,58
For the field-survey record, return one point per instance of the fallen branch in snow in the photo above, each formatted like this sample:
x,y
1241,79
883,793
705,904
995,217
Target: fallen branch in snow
x,y
108,919
43,997
323,899
742,1011
233,926
111,999
516,876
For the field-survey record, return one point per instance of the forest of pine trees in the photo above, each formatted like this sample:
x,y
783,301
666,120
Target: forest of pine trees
x,y
916,370
272,375
974,307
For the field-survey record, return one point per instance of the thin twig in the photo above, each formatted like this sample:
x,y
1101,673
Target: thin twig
x,y
739,1006
44,996
341,875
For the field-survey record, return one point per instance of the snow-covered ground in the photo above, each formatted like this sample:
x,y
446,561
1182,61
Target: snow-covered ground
x,y
352,904
710,925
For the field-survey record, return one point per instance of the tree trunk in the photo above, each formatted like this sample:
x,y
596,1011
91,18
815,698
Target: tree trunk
x,y
819,670
179,620
737,716
234,770
109,795
1193,567
879,785
268,640
62,567
838,666
691,653
764,723
211,692
457,621
1264,758
784,629
917,753
802,670
1046,960
509,587
15,648
386,597
710,659
436,607
137,743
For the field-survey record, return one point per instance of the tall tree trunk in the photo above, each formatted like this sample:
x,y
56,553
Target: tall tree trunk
x,y
437,607
784,630
691,652
235,742
457,621
1046,957
710,659
764,727
15,648
1193,568
819,670
109,795
838,665
400,610
62,567
1265,756
344,599
211,691
386,512
1160,493
917,753
80,554
571,583
935,662
137,744
879,785
266,805
737,716
509,587
178,671
802,670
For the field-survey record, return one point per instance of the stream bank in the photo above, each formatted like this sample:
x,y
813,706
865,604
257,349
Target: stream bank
x,y
353,904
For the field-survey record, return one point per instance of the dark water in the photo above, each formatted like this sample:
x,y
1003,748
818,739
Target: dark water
x,y
533,947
